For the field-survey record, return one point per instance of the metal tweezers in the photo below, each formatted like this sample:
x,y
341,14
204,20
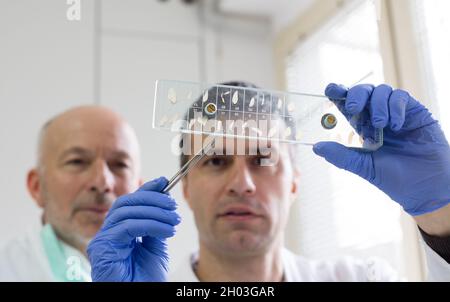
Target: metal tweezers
x,y
191,163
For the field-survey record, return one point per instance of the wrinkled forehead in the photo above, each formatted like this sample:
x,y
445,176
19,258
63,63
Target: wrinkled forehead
x,y
243,120
240,112
92,134
231,146
219,101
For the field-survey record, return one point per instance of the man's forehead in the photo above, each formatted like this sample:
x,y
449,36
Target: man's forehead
x,y
82,124
232,146
90,131
87,133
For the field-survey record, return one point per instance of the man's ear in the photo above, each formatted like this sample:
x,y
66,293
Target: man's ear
x,y
34,187
295,183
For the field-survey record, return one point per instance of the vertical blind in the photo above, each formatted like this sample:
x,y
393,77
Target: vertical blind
x,y
338,213
432,23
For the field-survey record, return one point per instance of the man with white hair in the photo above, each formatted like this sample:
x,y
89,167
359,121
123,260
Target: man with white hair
x,y
87,157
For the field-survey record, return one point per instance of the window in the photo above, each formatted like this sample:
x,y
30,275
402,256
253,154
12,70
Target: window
x,y
433,27
338,213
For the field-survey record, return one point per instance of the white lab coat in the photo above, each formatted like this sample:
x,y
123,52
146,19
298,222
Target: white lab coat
x,y
300,269
24,259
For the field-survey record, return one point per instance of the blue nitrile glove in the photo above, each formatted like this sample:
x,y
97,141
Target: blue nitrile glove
x,y
413,166
131,243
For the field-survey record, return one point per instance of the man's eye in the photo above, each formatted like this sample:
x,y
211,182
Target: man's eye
x,y
75,162
120,165
262,161
215,162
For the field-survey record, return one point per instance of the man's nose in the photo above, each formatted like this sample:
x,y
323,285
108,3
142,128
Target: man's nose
x,y
241,180
102,179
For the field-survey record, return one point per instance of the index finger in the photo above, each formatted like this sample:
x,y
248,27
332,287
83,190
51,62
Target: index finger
x,y
145,198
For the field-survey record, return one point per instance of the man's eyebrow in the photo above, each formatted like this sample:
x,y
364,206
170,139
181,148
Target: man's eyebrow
x,y
83,151
75,150
265,151
253,151
121,154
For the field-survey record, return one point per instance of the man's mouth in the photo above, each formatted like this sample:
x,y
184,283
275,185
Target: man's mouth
x,y
96,210
239,214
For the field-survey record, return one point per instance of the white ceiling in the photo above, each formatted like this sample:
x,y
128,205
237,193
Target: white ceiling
x,y
281,12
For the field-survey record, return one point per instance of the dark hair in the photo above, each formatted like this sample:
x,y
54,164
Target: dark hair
x,y
215,91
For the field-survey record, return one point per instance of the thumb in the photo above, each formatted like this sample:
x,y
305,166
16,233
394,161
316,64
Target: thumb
x,y
156,185
359,163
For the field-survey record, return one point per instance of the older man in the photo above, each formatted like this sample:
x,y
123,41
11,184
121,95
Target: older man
x,y
87,157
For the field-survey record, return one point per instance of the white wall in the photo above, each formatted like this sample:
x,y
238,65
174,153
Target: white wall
x,y
149,40
49,64
46,66
281,12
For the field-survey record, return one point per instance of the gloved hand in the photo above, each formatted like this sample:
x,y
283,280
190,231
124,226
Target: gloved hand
x,y
131,243
413,165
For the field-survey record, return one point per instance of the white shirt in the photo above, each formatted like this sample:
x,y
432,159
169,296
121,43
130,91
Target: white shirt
x,y
300,269
25,260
